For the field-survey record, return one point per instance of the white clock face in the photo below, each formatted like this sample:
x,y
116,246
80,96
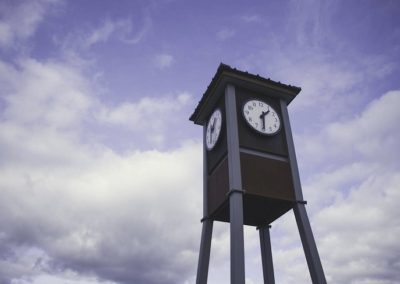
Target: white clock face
x,y
213,129
261,117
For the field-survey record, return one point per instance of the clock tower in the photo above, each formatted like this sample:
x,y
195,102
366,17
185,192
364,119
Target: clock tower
x,y
250,173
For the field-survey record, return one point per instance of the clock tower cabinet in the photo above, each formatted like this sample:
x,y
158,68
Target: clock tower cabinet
x,y
250,174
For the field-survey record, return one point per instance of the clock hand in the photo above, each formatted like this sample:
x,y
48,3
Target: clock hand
x,y
212,129
213,125
262,117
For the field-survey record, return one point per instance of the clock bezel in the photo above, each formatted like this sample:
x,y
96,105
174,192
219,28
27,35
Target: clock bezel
x,y
220,131
251,126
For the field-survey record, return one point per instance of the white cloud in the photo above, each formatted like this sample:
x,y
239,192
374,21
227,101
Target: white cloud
x,y
371,136
122,29
151,118
130,38
252,18
102,33
225,33
51,94
360,232
58,96
352,190
69,205
308,19
115,216
66,277
359,226
98,199
163,61
78,197
329,89
21,20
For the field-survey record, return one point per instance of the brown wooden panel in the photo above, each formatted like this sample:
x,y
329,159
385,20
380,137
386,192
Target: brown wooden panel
x,y
222,213
218,186
266,177
257,210
260,211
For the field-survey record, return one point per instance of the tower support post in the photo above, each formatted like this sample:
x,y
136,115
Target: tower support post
x,y
204,255
309,245
235,189
237,238
266,254
303,224
207,227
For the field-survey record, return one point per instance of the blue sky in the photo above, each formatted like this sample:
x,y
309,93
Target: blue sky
x,y
101,171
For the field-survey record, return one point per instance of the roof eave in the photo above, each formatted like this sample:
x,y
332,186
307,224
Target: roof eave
x,y
225,75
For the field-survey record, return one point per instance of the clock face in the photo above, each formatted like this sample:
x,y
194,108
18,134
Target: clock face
x,y
261,117
213,129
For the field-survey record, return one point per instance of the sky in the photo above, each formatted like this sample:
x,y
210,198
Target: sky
x,y
101,170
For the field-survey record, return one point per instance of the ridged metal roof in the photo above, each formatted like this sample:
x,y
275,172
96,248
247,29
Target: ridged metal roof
x,y
225,69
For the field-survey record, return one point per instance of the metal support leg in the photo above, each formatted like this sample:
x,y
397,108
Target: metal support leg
x,y
309,246
204,255
266,255
235,188
237,238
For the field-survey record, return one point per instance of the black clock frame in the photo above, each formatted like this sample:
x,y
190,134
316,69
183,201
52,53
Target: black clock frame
x,y
219,135
251,126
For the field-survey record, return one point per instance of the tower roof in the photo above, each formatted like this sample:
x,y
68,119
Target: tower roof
x,y
225,75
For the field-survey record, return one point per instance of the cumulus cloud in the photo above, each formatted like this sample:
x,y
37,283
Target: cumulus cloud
x,y
151,118
352,189
360,190
58,96
75,205
352,192
21,20
373,136
147,112
113,219
363,228
59,90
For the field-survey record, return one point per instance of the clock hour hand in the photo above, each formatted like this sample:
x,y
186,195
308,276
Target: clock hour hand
x,y
262,117
212,128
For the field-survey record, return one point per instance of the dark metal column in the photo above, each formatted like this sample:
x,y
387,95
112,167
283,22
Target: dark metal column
x,y
206,233
235,187
309,246
303,224
205,248
266,255
291,152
